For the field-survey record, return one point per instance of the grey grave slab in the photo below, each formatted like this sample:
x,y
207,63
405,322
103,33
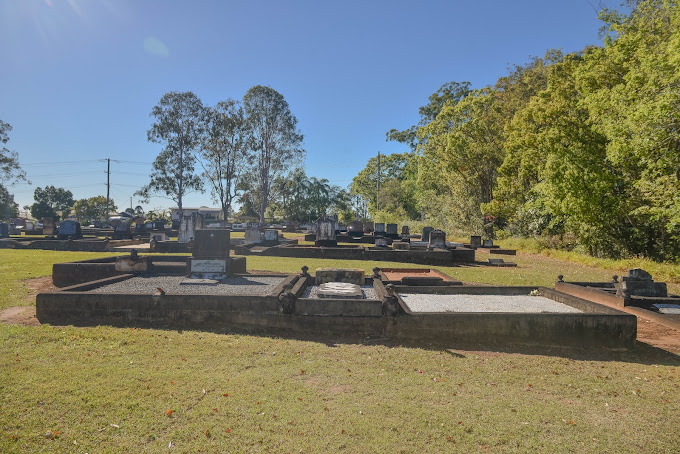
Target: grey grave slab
x,y
339,290
484,303
668,308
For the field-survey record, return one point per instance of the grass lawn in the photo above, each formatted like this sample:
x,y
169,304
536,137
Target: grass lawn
x,y
105,389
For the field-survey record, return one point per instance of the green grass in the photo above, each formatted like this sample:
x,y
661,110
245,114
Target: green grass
x,y
105,389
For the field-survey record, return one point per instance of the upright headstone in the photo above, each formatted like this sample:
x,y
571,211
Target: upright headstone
x,y
405,231
369,226
159,224
209,259
48,226
69,228
336,223
475,241
291,227
355,228
29,226
188,226
325,233
487,243
271,237
437,239
121,231
639,282
379,229
426,234
253,234
4,230
391,230
148,226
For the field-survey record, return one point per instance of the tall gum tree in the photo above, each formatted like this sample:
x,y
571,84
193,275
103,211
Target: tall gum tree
x,y
179,125
276,143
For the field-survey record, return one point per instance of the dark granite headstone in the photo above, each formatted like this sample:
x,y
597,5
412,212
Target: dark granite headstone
x,y
68,229
4,230
426,234
271,237
391,230
159,224
405,230
121,231
379,229
475,241
355,228
211,243
437,239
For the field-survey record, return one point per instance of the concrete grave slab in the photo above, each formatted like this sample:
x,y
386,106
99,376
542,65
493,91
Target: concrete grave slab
x,y
339,290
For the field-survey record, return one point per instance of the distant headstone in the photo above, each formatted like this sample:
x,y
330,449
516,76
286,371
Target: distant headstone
x,y
48,226
401,246
368,226
475,241
325,233
159,224
188,226
291,227
355,228
426,234
158,237
379,229
391,230
29,226
253,234
4,230
495,261
69,228
121,231
18,222
405,230
437,239
271,237
381,242
487,243
640,283
148,225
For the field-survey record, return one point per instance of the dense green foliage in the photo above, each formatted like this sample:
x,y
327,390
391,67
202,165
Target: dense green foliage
x,y
10,172
584,146
51,202
94,209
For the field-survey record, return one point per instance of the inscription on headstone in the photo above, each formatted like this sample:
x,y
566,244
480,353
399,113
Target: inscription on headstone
x,y
437,239
253,234
325,233
271,236
209,266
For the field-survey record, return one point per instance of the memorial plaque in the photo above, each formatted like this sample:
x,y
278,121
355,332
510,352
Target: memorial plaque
x,y
381,242
159,224
349,275
208,266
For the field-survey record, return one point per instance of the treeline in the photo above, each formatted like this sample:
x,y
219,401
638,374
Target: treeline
x,y
582,146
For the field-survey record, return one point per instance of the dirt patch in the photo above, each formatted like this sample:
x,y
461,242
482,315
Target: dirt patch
x,y
658,335
19,315
38,285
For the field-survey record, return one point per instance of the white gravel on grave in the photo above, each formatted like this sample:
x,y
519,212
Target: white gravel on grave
x,y
145,285
419,302
366,290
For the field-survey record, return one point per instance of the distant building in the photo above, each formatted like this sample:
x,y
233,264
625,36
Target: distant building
x,y
209,213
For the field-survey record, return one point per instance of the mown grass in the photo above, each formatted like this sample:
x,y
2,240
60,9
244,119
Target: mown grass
x,y
106,389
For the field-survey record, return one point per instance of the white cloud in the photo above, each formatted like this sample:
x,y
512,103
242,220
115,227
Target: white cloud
x,y
155,46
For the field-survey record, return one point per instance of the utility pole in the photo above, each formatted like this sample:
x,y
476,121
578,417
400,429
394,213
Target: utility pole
x,y
108,186
377,192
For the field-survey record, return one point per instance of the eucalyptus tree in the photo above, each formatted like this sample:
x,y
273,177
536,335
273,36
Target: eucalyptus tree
x,y
276,143
10,172
225,150
179,126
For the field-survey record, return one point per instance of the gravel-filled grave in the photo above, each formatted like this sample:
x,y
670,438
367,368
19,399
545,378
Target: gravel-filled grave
x,y
238,285
366,290
418,302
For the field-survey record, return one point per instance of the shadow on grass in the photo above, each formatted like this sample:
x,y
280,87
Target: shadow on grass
x,y
642,353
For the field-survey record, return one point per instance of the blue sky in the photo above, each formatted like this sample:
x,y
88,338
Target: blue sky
x,y
80,77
